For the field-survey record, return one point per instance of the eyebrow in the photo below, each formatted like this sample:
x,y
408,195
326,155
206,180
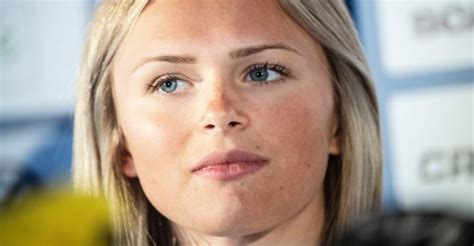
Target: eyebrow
x,y
235,54
247,51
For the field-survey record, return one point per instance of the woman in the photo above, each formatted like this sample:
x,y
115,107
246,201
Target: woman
x,y
227,122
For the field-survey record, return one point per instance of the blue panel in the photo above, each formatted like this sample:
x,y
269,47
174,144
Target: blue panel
x,y
388,84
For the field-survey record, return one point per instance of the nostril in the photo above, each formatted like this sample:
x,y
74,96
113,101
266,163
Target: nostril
x,y
210,126
233,123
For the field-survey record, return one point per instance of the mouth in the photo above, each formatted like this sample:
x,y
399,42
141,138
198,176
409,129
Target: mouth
x,y
228,165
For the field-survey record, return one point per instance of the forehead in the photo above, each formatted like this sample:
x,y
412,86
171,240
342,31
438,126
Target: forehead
x,y
210,18
207,28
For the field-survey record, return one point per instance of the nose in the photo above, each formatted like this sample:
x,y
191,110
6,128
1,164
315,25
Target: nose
x,y
222,112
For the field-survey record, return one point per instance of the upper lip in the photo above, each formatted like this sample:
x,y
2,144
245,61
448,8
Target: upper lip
x,y
227,158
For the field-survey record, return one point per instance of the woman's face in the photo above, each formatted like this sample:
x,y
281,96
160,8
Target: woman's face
x,y
238,87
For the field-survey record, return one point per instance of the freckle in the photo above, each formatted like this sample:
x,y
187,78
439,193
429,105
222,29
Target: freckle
x,y
308,165
153,180
258,147
281,187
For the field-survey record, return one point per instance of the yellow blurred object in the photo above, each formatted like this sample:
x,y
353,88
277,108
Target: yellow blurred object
x,y
56,218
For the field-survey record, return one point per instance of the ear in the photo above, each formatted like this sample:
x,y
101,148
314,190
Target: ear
x,y
128,165
335,141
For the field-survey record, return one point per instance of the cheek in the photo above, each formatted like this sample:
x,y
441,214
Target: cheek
x,y
297,133
156,141
298,124
155,135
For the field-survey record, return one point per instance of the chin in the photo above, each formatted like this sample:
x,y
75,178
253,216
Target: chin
x,y
227,230
229,223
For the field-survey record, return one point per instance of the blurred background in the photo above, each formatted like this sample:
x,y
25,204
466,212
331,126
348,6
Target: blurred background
x,y
420,52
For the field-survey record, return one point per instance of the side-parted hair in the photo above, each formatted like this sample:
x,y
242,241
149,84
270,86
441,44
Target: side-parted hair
x,y
353,180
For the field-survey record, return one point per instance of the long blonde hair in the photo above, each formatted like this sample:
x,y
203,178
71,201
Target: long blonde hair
x,y
353,179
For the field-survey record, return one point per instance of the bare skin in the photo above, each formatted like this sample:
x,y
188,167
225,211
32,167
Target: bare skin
x,y
246,77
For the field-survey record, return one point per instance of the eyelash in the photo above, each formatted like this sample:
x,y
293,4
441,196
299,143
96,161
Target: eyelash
x,y
282,70
158,81
155,83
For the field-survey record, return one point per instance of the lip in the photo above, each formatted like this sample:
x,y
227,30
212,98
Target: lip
x,y
228,165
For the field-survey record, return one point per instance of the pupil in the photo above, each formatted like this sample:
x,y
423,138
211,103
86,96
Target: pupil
x,y
169,86
260,75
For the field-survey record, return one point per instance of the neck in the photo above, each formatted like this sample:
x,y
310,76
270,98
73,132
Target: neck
x,y
302,229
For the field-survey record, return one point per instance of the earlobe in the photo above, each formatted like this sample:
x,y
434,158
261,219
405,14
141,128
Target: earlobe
x,y
334,142
126,160
334,148
128,165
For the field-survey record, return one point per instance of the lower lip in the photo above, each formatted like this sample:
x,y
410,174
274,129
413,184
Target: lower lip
x,y
229,171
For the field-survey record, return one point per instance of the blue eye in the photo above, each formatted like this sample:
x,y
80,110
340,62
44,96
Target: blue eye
x,y
265,73
168,84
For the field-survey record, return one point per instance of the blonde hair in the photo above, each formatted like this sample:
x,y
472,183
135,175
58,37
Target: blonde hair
x,y
353,179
